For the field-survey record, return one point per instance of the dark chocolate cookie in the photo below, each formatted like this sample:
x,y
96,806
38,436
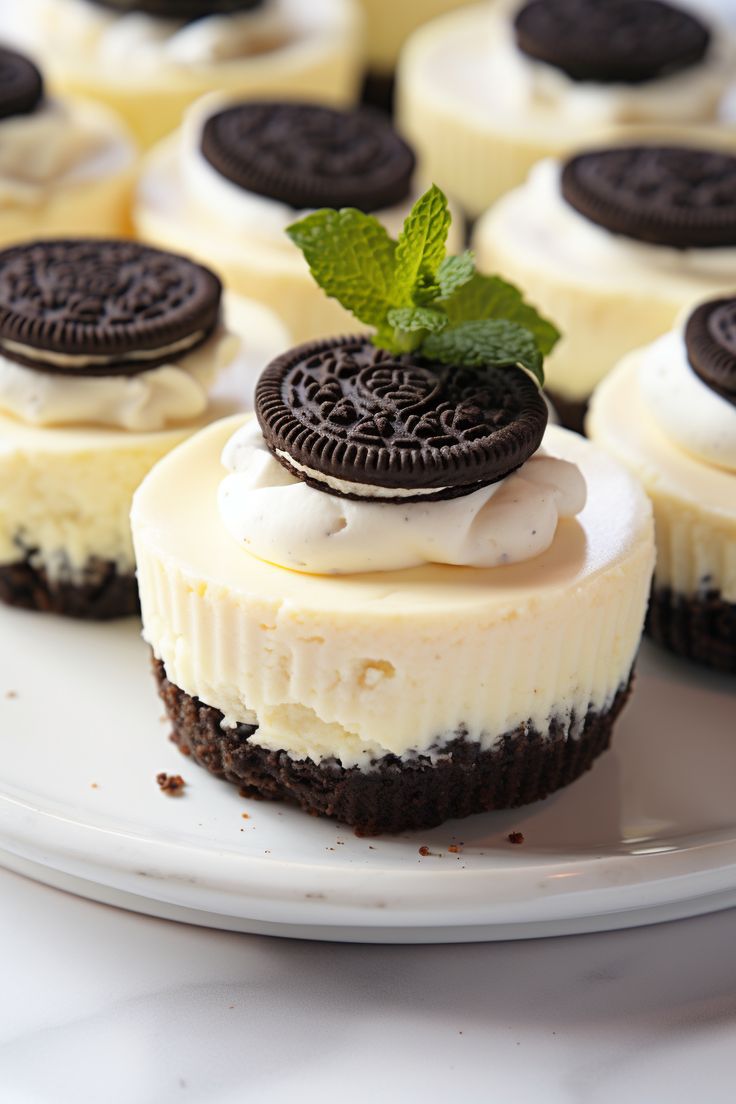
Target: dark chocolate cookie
x,y
120,308
665,195
611,41
180,9
345,410
21,85
307,156
710,338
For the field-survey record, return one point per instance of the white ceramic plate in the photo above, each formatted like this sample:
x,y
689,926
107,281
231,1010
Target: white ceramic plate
x,y
649,834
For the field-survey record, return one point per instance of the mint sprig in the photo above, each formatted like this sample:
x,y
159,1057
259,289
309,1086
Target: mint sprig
x,y
416,296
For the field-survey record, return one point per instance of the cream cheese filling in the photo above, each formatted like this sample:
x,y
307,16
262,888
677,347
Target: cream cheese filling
x,y
169,394
279,518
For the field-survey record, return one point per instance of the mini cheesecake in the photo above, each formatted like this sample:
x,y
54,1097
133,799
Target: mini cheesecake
x,y
486,92
238,174
110,354
150,59
396,597
668,412
614,242
66,166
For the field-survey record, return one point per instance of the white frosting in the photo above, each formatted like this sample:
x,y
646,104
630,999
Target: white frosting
x,y
168,395
62,142
526,86
234,211
280,519
556,231
95,35
683,406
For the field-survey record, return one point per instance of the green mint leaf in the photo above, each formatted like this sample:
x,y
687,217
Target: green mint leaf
x,y
490,297
352,258
455,272
413,319
420,248
492,342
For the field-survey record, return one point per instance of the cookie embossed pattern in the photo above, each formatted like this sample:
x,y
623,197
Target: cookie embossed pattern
x,y
407,464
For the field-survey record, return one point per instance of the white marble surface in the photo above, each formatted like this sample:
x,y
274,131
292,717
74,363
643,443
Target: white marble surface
x,y
101,1006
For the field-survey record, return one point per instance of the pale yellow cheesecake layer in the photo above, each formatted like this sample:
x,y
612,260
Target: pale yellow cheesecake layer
x,y
477,140
66,491
388,24
694,502
607,294
317,57
358,666
253,258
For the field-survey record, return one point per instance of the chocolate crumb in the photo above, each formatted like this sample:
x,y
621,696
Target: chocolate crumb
x,y
516,837
171,784
424,851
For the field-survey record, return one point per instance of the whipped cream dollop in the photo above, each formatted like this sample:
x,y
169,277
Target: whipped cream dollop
x,y
87,33
525,85
61,142
552,228
278,518
151,400
689,412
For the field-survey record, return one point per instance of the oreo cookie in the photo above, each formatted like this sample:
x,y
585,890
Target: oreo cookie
x,y
677,196
710,339
611,41
186,10
92,307
354,420
307,156
21,85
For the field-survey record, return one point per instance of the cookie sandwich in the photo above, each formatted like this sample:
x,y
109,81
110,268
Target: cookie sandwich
x,y
668,412
486,92
395,596
229,184
109,356
66,166
616,242
150,59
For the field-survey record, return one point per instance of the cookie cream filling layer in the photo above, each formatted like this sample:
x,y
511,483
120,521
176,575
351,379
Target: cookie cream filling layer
x,y
61,143
524,88
688,411
84,33
150,400
279,518
361,666
549,230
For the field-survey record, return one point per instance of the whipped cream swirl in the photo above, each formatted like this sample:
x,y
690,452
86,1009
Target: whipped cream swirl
x,y
167,395
278,518
692,415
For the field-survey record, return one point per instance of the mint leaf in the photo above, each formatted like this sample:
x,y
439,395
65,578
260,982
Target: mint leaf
x,y
420,248
352,257
455,272
413,319
493,342
485,297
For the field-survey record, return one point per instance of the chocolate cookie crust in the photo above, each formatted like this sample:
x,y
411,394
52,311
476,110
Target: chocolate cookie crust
x,y
611,41
102,594
710,338
699,627
347,410
180,9
21,85
396,795
107,302
676,196
306,156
